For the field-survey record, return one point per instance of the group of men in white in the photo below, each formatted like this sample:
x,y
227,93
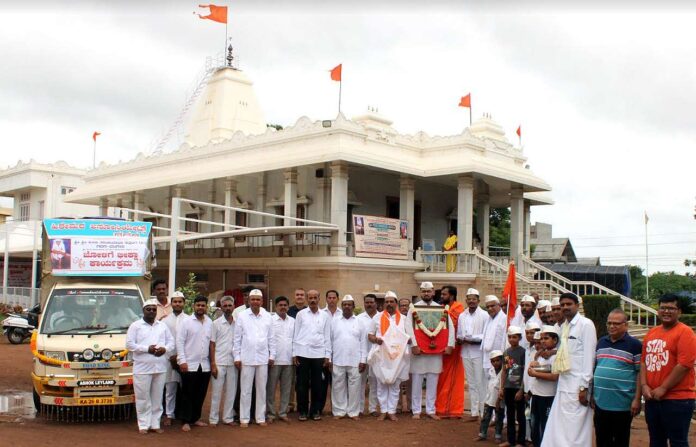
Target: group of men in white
x,y
251,349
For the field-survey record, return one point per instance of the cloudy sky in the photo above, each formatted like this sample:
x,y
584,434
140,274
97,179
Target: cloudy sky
x,y
606,96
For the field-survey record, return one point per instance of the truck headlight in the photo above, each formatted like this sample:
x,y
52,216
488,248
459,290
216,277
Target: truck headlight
x,y
107,354
88,355
55,355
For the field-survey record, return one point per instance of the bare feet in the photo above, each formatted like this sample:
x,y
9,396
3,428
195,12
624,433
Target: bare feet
x,y
262,424
434,417
167,422
283,418
142,432
392,417
355,418
186,427
479,438
471,419
200,424
416,416
158,430
504,444
231,423
382,417
244,425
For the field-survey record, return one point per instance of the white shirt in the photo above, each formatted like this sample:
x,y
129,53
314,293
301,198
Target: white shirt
x,y
493,386
527,380
223,337
337,314
254,343
172,321
140,336
312,336
348,342
470,326
282,331
367,324
541,387
193,342
376,328
238,310
493,337
582,342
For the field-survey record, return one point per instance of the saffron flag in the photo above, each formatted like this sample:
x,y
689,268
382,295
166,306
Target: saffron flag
x,y
336,73
646,217
217,13
465,101
95,135
519,131
510,292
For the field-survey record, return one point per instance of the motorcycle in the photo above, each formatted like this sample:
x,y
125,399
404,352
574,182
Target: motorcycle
x,y
18,327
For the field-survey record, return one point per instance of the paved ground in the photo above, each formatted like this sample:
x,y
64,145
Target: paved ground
x,y
15,367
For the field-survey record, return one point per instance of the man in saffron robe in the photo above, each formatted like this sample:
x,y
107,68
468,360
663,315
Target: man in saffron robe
x,y
450,384
450,245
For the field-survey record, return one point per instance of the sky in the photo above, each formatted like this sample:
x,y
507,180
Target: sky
x,y
605,94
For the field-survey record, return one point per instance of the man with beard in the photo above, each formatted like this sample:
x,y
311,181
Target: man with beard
x,y
193,355
172,377
222,366
526,314
450,384
368,375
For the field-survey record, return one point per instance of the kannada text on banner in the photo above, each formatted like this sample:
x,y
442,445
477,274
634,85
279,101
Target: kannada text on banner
x,y
97,247
380,237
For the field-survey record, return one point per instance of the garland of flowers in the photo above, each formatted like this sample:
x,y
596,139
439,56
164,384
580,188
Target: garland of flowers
x,y
440,326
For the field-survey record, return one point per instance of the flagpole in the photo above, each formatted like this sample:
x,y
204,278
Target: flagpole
x,y
94,154
224,46
471,112
647,271
340,85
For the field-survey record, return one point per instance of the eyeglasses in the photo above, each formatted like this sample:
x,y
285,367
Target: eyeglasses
x,y
668,309
611,323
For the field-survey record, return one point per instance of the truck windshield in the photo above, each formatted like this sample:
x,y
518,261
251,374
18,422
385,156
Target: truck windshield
x,y
86,311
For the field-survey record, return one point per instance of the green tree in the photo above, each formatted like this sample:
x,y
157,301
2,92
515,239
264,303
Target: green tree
x,y
660,283
190,292
500,227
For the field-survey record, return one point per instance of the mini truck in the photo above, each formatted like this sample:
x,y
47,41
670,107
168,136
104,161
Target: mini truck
x,y
95,276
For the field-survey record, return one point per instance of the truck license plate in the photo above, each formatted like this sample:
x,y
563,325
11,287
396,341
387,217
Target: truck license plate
x,y
96,401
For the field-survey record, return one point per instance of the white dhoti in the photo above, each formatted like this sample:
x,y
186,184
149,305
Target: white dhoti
x,y
148,399
569,424
345,390
172,381
388,396
368,378
417,392
256,376
225,384
475,379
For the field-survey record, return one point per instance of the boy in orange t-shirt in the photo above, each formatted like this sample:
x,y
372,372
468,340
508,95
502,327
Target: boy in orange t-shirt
x,y
667,376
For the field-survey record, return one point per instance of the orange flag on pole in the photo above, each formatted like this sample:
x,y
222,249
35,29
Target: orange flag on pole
x,y
510,292
95,135
465,101
217,13
519,131
336,73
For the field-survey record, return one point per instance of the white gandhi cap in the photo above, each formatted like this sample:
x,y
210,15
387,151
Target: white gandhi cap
x,y
426,285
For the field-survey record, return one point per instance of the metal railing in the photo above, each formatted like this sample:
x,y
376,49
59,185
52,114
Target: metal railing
x,y
26,297
636,310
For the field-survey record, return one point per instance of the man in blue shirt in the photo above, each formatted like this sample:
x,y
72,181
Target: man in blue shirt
x,y
616,395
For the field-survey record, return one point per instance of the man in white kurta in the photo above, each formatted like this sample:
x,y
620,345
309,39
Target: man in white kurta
x,y
426,366
470,334
494,337
368,376
222,369
348,360
570,420
254,351
527,314
173,379
149,340
387,320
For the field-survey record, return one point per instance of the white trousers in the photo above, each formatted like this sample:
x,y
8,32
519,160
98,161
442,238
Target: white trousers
x,y
570,423
366,377
148,399
473,368
226,383
170,389
388,396
345,391
417,392
253,376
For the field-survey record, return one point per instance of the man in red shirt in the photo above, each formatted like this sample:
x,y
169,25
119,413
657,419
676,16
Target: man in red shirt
x,y
667,376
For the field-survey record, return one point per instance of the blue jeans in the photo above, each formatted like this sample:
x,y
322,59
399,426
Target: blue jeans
x,y
669,420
